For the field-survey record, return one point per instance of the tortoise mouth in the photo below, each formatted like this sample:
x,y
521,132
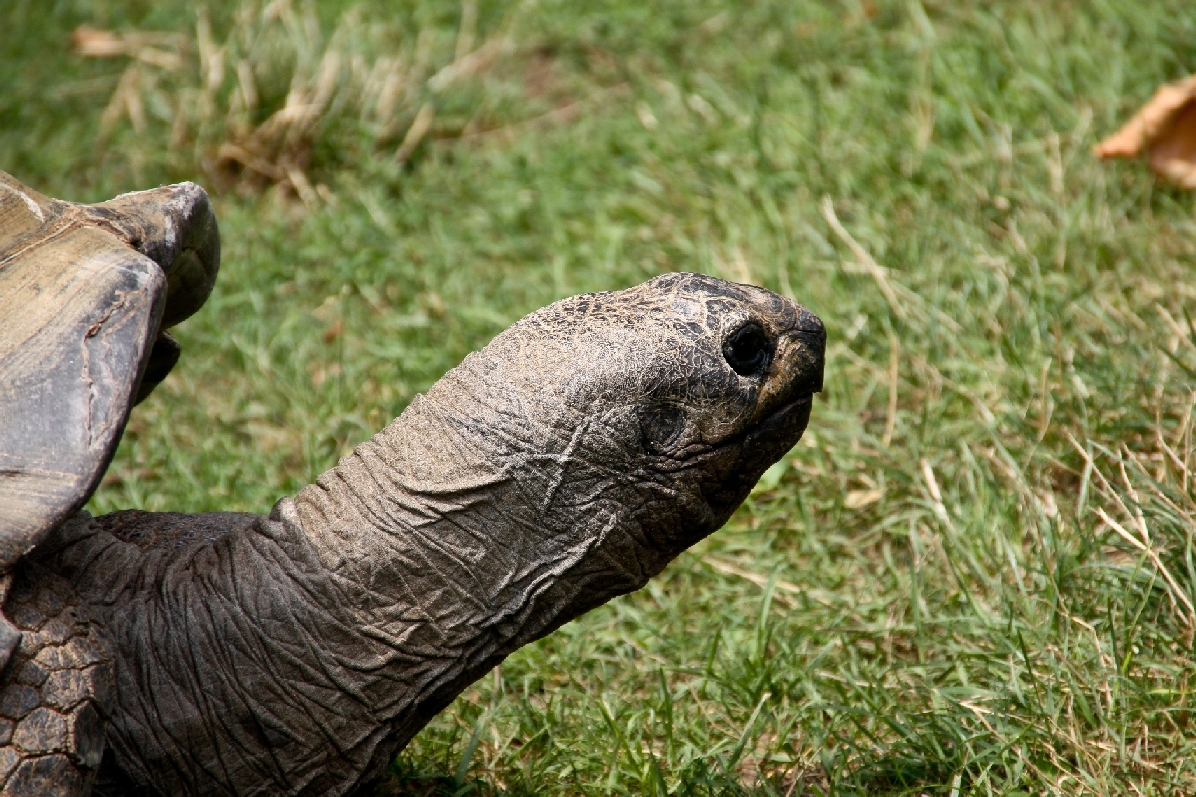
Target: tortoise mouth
x,y
787,411
784,425
761,445
742,460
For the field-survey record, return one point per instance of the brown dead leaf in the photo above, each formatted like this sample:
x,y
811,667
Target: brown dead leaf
x,y
1165,130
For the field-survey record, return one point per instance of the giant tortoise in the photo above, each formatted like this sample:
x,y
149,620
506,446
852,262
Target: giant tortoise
x,y
295,653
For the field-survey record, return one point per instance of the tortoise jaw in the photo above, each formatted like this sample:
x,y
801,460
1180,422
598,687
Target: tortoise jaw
x,y
742,460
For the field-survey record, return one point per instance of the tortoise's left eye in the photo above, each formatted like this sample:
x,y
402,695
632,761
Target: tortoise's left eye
x,y
748,350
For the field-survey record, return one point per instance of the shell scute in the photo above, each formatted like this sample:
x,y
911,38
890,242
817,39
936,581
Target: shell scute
x,y
86,293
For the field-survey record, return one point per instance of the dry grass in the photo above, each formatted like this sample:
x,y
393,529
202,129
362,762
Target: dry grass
x,y
257,106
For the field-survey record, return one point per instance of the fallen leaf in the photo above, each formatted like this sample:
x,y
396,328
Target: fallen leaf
x,y
1165,130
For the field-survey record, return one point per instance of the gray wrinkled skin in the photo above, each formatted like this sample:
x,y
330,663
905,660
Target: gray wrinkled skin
x,y
561,466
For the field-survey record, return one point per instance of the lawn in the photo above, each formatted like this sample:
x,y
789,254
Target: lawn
x,y
974,575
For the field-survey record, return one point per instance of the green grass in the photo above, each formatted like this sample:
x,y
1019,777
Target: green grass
x,y
923,598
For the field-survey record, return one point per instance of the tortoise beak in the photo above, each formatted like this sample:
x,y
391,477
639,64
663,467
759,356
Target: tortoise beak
x,y
807,341
797,365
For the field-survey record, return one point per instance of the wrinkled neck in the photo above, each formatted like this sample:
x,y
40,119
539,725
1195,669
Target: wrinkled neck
x,y
305,649
452,529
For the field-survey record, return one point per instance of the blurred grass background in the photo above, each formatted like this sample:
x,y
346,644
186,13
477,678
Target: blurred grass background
x,y
975,575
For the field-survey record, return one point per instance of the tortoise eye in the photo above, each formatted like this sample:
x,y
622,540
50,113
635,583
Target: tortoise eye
x,y
748,350
660,425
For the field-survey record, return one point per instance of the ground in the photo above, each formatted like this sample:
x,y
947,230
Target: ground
x,y
975,574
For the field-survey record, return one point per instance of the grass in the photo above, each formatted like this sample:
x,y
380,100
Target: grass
x,y
975,575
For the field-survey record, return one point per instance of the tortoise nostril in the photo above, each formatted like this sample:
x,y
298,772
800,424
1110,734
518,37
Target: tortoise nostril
x,y
748,350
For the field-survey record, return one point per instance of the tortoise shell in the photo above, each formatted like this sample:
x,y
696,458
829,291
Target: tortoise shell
x,y
86,292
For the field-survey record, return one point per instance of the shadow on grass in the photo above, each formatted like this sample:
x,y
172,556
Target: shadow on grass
x,y
930,757
906,772
410,784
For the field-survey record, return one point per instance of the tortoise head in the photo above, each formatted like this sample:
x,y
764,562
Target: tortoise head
x,y
639,418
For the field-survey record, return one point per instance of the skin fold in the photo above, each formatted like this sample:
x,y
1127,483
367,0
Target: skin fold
x,y
563,465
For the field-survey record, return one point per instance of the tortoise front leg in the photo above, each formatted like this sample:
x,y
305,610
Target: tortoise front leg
x,y
58,693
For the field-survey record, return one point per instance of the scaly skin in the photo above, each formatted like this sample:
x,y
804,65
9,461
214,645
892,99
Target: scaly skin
x,y
58,691
563,465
